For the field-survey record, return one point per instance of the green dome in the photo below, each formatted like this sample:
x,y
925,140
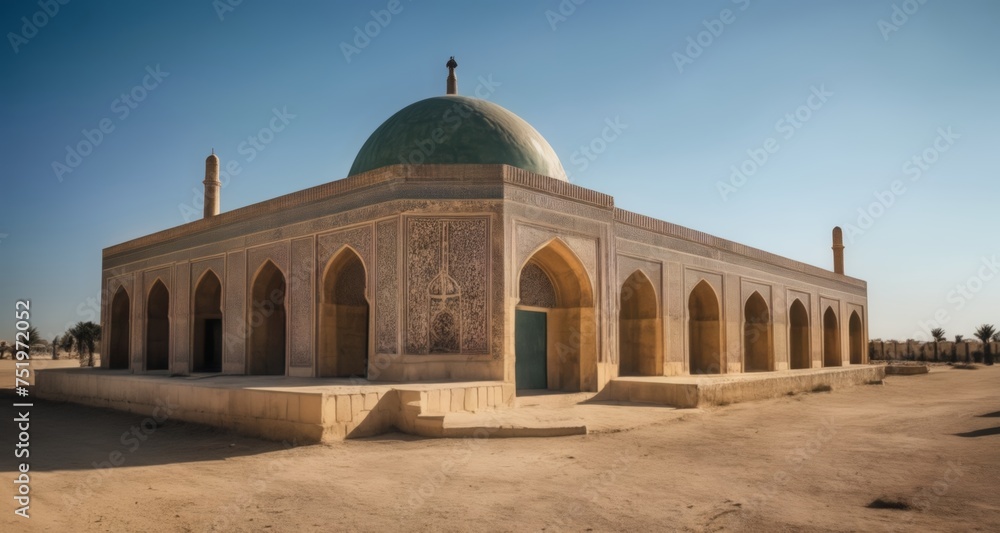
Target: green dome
x,y
458,129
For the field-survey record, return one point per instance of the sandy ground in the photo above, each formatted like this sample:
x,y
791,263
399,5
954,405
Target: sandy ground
x,y
806,462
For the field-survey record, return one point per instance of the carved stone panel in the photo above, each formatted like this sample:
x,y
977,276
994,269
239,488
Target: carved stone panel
x,y
386,288
138,323
234,313
180,310
653,270
302,289
535,287
360,239
198,269
530,238
448,265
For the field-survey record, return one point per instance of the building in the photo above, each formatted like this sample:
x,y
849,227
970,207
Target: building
x,y
456,250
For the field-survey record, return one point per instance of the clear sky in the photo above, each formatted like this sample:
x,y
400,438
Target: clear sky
x,y
838,95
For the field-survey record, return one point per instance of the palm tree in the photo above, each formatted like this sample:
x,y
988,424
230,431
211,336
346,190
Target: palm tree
x,y
34,337
984,333
67,344
954,347
938,335
86,335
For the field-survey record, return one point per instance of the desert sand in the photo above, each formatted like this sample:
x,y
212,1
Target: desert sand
x,y
805,462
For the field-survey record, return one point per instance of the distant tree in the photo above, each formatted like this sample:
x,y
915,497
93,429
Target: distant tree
x,y
86,335
996,337
938,335
954,348
34,338
984,333
3,348
66,343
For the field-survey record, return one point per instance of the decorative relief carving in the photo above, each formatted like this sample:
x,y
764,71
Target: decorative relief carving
x,y
360,239
628,265
199,267
536,288
234,317
137,324
351,276
530,238
276,252
453,311
150,276
386,287
445,310
301,307
180,309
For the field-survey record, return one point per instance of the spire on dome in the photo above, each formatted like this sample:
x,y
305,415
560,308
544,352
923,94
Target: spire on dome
x,y
452,80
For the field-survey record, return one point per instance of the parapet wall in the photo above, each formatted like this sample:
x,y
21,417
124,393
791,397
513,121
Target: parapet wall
x,y
929,351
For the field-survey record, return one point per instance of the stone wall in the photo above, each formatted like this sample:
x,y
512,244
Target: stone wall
x,y
945,351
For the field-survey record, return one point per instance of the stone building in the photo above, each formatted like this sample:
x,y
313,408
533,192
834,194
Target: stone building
x,y
456,249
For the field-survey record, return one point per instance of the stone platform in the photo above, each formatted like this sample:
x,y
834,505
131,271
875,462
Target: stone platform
x,y
277,407
324,410
906,370
708,390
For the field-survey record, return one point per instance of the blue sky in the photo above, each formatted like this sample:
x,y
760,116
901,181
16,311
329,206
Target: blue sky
x,y
919,84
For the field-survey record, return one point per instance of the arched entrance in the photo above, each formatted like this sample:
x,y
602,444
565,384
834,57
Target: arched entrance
x,y
831,339
639,328
158,327
857,340
757,353
118,350
267,322
343,318
207,341
798,345
704,331
554,330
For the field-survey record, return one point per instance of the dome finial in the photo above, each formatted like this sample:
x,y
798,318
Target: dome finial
x,y
452,80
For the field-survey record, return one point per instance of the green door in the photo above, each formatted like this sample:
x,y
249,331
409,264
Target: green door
x,y
529,350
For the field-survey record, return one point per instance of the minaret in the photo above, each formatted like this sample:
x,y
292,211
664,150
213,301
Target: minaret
x,y
452,80
838,250
212,185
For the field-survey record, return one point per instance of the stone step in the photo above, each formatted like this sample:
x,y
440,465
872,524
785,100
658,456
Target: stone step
x,y
551,398
510,424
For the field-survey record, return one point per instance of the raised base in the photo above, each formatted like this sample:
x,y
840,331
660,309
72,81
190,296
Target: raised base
x,y
272,407
906,370
700,391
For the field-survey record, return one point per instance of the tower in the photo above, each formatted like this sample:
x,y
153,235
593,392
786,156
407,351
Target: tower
x,y
212,185
838,250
